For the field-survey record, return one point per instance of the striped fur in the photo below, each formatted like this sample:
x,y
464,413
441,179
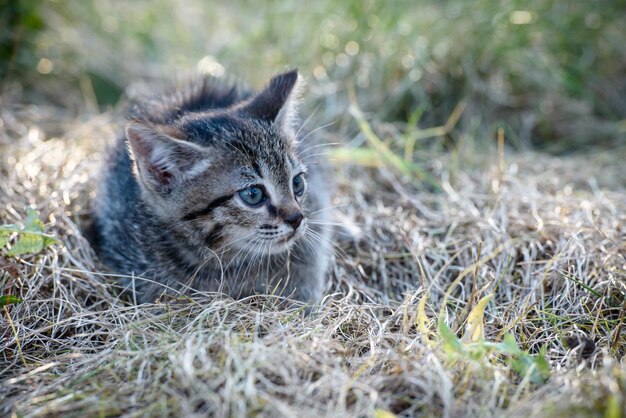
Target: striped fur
x,y
169,212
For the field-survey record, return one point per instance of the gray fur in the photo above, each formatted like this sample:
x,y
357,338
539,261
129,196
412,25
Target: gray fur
x,y
168,212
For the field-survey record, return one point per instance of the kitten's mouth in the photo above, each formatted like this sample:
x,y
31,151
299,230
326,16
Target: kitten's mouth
x,y
282,242
285,241
287,238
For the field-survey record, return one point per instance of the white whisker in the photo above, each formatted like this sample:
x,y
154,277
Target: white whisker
x,y
326,144
316,129
307,120
328,208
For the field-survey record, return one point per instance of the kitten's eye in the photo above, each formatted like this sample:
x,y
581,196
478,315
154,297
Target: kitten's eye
x,y
298,185
252,195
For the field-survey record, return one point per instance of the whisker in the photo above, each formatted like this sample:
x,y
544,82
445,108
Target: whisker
x,y
328,208
307,120
318,154
331,246
324,223
244,237
246,250
315,130
326,144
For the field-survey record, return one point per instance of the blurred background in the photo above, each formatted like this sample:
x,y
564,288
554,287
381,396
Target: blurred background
x,y
550,73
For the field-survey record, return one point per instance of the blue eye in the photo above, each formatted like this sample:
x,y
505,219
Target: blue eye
x,y
298,185
252,195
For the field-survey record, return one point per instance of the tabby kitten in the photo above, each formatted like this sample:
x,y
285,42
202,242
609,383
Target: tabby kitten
x,y
209,190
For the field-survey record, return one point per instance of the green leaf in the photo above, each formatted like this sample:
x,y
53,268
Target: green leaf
x,y
5,237
9,299
509,345
27,244
451,341
31,238
542,368
33,223
523,363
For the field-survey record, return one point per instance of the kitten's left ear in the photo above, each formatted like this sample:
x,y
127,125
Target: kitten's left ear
x,y
162,161
278,101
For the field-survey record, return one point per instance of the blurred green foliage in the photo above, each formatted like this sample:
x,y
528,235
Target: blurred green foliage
x,y
20,24
550,72
30,238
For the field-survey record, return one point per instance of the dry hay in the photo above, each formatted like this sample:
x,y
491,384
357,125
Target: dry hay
x,y
544,235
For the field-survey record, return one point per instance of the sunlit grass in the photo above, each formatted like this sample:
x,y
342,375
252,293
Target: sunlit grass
x,y
479,278
551,72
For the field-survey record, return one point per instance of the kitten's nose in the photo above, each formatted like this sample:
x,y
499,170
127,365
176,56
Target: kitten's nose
x,y
294,219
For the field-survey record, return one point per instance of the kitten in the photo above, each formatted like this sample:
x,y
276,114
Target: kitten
x,y
208,190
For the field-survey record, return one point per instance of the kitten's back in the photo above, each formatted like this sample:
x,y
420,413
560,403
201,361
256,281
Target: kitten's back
x,y
201,93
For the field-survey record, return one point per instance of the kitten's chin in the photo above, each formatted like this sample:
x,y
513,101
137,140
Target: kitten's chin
x,y
279,248
281,245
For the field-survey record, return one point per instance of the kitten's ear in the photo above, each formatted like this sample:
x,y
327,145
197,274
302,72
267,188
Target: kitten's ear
x,y
161,160
278,101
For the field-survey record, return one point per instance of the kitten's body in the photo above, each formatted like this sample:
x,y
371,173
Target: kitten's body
x,y
177,215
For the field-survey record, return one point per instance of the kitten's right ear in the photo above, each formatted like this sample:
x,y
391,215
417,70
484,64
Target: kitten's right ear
x,y
162,161
277,103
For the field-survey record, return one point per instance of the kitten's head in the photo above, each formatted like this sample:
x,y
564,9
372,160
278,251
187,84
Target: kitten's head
x,y
226,178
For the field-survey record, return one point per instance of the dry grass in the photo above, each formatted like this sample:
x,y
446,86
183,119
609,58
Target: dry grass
x,y
544,235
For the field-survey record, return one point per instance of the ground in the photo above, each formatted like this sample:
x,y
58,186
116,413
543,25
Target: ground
x,y
479,265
